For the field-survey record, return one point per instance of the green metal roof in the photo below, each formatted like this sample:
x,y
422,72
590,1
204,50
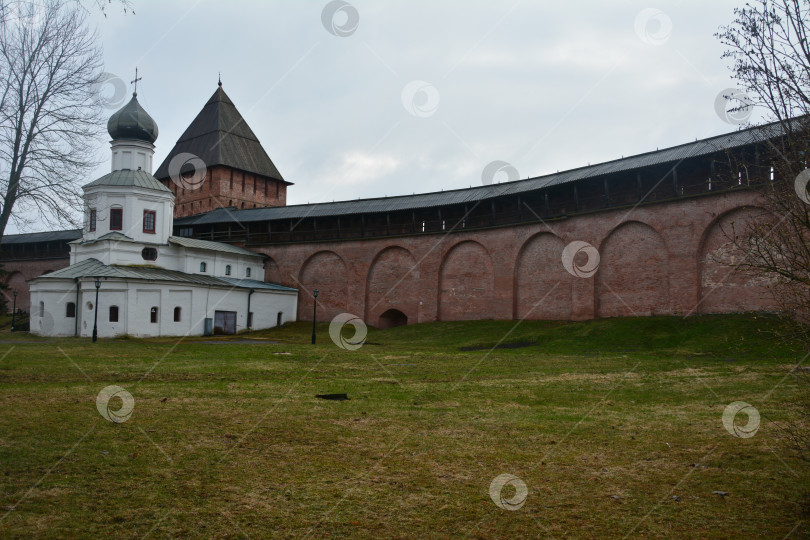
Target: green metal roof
x,y
91,268
192,243
112,235
129,178
255,284
211,246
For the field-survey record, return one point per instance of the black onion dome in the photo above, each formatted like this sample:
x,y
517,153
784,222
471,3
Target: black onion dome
x,y
132,122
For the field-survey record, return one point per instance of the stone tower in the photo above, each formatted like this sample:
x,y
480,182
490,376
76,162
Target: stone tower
x,y
219,163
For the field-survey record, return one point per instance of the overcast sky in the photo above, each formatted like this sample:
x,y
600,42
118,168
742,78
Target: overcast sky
x,y
396,97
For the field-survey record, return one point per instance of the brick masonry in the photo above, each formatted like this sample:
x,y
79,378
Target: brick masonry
x,y
226,187
21,271
667,258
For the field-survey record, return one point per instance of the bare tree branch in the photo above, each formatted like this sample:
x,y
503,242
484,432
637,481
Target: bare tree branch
x,y
50,112
769,45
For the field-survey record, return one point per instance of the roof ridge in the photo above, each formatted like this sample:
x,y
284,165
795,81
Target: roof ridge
x,y
708,145
220,130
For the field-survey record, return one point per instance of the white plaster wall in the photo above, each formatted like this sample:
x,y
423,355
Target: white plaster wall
x,y
216,262
53,320
135,300
266,306
132,154
133,201
110,294
170,257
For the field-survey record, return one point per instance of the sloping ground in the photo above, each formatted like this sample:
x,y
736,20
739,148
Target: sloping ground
x,y
614,427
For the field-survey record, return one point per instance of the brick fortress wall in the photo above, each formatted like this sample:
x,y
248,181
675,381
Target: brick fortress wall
x,y
664,258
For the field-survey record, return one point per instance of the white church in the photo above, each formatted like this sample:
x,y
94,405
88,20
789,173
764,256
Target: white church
x,y
129,276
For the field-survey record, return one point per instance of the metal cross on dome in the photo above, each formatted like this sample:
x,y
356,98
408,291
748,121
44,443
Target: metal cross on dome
x,y
135,82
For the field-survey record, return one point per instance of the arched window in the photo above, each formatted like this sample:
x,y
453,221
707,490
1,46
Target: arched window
x,y
42,309
177,311
70,310
227,269
203,267
113,313
247,272
153,315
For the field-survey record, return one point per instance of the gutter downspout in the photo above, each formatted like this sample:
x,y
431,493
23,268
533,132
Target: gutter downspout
x,y
249,320
76,313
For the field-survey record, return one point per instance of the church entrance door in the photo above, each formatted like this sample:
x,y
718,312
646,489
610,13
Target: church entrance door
x,y
224,322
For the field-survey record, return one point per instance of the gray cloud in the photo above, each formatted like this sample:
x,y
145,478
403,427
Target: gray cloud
x,y
544,86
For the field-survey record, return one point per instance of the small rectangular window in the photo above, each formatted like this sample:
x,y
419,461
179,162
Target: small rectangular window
x,y
149,221
113,313
247,272
227,269
177,311
116,219
153,315
203,267
92,219
70,311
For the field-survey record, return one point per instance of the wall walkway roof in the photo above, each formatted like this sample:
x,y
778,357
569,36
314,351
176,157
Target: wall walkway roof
x,y
471,195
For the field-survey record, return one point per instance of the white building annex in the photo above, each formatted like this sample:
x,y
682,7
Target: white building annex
x,y
150,283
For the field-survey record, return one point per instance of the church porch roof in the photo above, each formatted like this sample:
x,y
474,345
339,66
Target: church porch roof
x,y
92,268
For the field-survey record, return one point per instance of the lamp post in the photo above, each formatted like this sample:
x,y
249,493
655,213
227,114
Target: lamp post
x,y
14,310
314,311
95,317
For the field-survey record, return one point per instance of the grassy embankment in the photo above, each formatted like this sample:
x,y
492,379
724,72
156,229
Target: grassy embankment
x,y
613,425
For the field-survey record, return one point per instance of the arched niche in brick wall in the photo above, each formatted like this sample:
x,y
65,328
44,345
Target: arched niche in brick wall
x,y
542,285
633,275
273,274
392,283
16,282
325,271
724,286
466,283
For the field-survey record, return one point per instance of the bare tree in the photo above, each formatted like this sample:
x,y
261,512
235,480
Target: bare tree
x,y
50,113
768,43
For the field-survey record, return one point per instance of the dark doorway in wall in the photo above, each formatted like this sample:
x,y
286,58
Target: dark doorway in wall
x,y
392,318
224,322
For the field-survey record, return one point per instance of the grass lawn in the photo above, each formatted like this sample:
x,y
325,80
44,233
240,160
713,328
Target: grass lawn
x,y
614,426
